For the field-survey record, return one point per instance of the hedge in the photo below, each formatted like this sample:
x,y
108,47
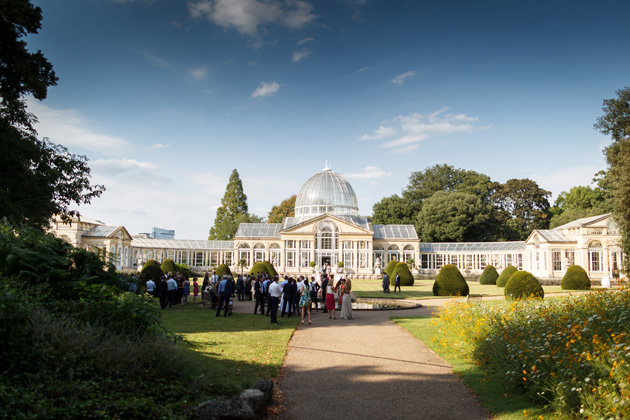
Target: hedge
x,y
391,266
272,271
450,282
406,279
505,275
222,270
575,279
523,285
258,268
169,266
151,271
489,275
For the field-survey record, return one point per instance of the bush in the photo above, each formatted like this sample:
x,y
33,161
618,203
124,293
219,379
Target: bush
x,y
222,270
450,282
270,269
391,266
406,279
150,262
151,272
523,285
184,270
575,279
489,275
505,275
169,266
258,268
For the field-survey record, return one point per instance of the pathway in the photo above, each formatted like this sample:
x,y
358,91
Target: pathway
x,y
369,368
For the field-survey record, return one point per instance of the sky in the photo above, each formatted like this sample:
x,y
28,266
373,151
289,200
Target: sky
x,y
167,97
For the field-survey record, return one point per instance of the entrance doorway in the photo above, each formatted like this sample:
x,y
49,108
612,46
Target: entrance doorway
x,y
325,261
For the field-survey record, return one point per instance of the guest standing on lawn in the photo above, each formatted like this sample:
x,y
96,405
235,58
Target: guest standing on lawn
x,y
330,299
274,299
305,300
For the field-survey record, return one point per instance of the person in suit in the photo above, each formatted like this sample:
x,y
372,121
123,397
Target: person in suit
x,y
226,291
397,283
323,289
240,288
290,291
385,283
259,296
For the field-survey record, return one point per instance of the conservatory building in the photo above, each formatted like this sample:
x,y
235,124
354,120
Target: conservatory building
x,y
327,230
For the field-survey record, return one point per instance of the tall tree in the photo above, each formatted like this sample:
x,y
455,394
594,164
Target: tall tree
x,y
394,210
455,217
615,122
578,202
233,211
521,207
37,178
284,209
423,184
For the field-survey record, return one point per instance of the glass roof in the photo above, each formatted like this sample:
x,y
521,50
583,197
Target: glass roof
x,y
258,230
326,192
474,247
181,244
394,232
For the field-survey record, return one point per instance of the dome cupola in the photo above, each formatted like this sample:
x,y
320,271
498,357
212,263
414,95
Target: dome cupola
x,y
326,192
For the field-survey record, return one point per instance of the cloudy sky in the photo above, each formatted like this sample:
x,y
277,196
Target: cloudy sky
x,y
166,97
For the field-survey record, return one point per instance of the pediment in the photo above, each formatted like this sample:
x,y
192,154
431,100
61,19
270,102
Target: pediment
x,y
311,226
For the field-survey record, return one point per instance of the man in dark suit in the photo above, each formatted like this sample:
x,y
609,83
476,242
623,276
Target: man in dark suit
x,y
290,290
226,290
397,283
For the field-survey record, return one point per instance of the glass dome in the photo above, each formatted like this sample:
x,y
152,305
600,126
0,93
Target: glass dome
x,y
326,192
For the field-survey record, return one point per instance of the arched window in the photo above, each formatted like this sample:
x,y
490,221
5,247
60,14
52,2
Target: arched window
x,y
274,254
259,253
243,253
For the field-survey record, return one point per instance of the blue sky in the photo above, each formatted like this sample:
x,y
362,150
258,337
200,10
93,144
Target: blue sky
x,y
166,97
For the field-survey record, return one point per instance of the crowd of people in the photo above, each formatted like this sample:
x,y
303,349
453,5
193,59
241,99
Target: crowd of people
x,y
270,294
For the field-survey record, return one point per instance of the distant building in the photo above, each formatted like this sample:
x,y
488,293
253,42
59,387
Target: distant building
x,y
159,233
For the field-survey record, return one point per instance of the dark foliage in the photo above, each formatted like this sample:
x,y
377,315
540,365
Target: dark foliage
x,y
270,268
450,282
523,285
505,275
489,275
402,269
575,279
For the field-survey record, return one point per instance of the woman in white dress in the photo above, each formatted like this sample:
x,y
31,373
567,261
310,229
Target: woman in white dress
x,y
346,302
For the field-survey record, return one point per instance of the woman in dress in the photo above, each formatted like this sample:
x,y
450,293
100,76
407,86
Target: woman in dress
x,y
195,290
186,291
346,305
331,288
305,300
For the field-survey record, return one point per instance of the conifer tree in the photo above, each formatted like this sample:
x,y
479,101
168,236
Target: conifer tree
x,y
233,211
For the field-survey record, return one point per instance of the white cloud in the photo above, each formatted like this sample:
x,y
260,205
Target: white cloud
x,y
305,40
246,16
399,80
266,89
370,172
380,133
199,73
362,69
69,128
119,166
301,55
157,60
414,128
160,146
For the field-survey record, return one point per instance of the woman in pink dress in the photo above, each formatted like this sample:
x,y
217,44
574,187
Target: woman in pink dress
x,y
195,290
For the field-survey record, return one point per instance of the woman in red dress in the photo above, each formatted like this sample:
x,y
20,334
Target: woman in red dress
x,y
331,288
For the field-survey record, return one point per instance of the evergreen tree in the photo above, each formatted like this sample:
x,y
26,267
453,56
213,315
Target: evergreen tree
x,y
233,211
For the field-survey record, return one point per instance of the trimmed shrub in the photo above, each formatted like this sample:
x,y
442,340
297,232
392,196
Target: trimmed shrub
x,y
222,270
151,262
184,270
154,272
258,268
575,279
406,279
272,271
391,266
450,282
505,275
168,266
489,275
523,285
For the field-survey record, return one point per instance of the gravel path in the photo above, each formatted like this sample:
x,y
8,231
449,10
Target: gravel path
x,y
369,368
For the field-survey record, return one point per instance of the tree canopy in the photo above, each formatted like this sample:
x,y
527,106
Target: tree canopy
x,y
37,178
422,184
615,122
284,209
455,217
394,210
233,211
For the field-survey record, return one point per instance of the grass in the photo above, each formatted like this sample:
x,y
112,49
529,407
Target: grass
x,y
423,289
490,390
237,350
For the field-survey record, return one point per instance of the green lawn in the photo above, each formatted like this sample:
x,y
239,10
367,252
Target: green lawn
x,y
423,289
238,350
490,390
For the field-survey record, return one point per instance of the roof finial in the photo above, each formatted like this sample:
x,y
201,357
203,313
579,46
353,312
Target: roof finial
x,y
327,168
